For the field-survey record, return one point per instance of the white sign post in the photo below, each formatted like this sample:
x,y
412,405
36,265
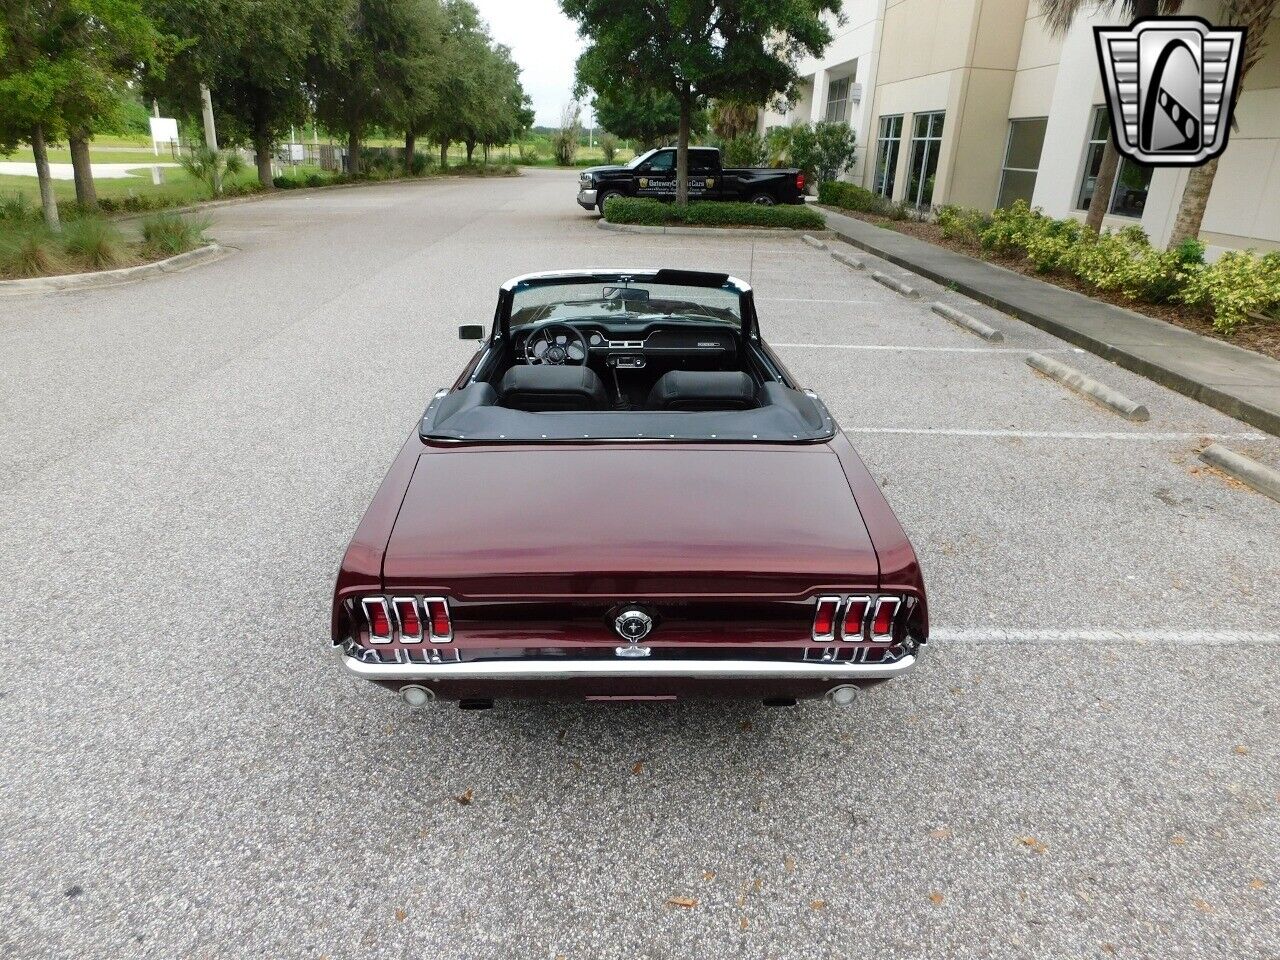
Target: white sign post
x,y
163,130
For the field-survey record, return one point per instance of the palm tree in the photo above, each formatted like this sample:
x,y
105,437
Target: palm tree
x,y
1059,16
1255,16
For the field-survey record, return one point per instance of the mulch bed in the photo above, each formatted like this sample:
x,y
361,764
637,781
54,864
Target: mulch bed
x,y
1262,336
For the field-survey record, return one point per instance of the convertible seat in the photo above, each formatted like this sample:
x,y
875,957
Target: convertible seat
x,y
703,390
540,387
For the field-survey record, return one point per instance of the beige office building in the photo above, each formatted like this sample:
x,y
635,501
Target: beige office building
x,y
974,102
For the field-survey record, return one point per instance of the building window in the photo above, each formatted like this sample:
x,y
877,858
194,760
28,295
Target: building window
x,y
926,144
1021,160
1129,193
887,146
838,100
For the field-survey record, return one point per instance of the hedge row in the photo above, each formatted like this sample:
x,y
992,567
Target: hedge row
x,y
644,210
850,196
1236,285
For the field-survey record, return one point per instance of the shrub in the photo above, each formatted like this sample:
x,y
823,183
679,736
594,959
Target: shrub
x,y
1235,285
96,242
1010,227
745,150
529,153
419,163
962,224
169,234
834,147
18,208
609,147
850,196
642,210
29,250
315,180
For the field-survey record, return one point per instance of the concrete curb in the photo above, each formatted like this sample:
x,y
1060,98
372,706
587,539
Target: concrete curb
x,y
814,242
847,260
108,278
893,283
697,231
1073,379
1248,471
1231,379
971,324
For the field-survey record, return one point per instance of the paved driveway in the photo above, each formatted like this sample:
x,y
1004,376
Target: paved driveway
x,y
1084,765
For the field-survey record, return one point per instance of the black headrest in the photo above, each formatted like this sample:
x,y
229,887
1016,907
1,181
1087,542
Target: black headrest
x,y
703,390
541,387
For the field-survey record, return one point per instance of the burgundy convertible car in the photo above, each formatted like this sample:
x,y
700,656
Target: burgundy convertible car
x,y
625,496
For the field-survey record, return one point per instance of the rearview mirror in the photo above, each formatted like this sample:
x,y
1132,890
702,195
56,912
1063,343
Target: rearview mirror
x,y
471,331
625,293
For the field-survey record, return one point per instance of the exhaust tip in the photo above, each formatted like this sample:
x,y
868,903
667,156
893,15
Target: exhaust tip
x,y
416,696
843,695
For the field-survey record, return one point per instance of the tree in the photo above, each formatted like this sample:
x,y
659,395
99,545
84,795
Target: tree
x,y
381,50
253,56
697,50
650,116
1059,16
62,66
730,119
1255,16
457,79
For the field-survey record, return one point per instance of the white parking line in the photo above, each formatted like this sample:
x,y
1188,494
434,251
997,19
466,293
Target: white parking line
x,y
1188,638
1054,434
904,349
808,300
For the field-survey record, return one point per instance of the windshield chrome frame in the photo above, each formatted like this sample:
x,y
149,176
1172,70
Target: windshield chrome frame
x,y
686,278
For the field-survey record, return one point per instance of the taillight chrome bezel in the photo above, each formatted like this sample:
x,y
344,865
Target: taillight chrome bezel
x,y
894,604
829,635
405,636
367,605
862,626
432,634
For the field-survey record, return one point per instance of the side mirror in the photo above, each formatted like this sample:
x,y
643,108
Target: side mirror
x,y
471,331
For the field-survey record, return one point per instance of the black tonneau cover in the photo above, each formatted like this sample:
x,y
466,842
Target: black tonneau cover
x,y
471,414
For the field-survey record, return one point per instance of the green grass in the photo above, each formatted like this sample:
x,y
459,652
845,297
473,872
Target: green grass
x,y
30,249
711,213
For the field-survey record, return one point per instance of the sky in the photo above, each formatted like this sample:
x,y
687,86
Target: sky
x,y
545,43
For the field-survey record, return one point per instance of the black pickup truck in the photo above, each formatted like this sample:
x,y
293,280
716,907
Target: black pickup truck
x,y
653,174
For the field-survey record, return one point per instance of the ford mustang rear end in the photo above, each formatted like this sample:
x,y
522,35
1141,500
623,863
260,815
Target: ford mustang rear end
x,y
515,552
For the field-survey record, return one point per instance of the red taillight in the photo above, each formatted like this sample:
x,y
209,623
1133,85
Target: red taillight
x,y
407,615
375,612
824,618
438,615
855,614
886,610
800,181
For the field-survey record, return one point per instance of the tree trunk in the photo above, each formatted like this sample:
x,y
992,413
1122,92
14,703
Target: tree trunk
x,y
47,199
471,148
86,192
1102,186
1195,197
410,145
353,153
444,154
682,150
262,152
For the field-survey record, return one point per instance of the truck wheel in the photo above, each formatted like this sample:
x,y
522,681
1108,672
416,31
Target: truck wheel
x,y
763,199
606,196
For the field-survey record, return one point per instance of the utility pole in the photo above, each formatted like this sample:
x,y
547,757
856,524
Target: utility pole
x,y
210,136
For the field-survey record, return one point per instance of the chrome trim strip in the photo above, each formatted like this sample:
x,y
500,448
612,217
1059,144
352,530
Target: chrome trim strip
x,y
368,602
639,669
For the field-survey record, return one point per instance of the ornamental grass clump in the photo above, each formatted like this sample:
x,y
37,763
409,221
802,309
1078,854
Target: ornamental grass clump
x,y
169,234
29,250
96,243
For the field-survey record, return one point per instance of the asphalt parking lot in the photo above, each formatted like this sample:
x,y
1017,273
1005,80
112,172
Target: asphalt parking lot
x,y
1086,764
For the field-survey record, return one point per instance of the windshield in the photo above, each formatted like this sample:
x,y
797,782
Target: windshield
x,y
625,301
639,158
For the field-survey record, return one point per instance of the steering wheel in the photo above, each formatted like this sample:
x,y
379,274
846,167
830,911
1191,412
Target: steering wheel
x,y
556,344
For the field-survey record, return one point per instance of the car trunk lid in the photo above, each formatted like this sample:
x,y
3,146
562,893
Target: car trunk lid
x,y
597,521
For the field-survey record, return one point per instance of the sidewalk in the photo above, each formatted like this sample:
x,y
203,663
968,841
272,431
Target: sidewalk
x,y
1240,383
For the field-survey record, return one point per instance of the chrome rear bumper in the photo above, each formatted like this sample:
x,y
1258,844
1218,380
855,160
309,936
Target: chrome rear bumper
x,y
638,669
